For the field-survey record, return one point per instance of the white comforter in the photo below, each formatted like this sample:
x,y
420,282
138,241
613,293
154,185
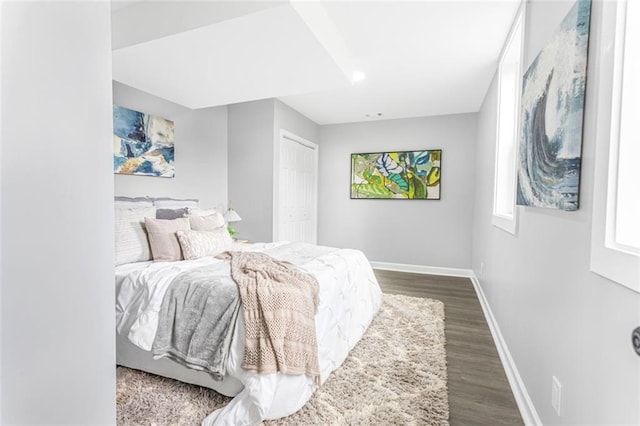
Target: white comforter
x,y
349,299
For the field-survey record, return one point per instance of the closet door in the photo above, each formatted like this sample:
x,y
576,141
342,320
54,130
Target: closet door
x,y
295,201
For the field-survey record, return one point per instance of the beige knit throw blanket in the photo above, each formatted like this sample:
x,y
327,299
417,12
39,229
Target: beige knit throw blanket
x,y
279,304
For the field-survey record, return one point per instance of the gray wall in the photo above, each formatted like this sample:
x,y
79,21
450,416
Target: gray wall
x,y
200,151
58,328
289,119
251,167
254,128
556,316
1,274
427,233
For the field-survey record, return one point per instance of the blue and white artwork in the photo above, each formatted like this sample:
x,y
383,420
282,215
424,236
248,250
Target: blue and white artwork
x,y
142,144
552,114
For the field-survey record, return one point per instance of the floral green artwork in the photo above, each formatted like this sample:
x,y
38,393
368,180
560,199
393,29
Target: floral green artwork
x,y
413,175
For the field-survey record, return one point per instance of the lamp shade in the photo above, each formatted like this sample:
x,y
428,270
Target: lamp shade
x,y
231,216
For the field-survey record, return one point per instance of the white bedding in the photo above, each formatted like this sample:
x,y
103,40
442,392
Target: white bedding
x,y
349,299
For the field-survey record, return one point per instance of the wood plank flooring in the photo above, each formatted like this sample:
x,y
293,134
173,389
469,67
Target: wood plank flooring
x,y
479,393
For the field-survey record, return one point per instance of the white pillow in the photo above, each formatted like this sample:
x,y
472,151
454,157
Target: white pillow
x,y
174,203
197,244
201,212
132,244
206,223
132,202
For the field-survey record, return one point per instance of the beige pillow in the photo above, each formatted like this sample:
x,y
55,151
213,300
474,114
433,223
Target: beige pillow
x,y
206,223
197,244
162,237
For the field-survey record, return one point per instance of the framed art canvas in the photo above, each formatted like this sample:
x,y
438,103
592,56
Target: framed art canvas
x,y
553,93
404,175
143,144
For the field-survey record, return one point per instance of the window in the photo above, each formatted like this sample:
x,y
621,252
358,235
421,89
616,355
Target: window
x,y
508,126
625,171
615,240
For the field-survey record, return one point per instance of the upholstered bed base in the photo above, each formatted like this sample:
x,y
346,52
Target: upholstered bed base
x,y
129,355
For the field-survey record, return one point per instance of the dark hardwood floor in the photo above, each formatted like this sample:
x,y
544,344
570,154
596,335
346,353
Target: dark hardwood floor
x,y
479,393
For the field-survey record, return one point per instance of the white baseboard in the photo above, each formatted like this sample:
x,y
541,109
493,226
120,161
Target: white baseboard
x,y
420,269
525,405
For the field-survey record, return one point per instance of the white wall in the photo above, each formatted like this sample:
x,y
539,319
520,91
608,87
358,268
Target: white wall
x,y
417,232
254,128
556,316
200,151
58,328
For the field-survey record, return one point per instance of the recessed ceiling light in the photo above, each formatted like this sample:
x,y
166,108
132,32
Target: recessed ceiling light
x,y
358,76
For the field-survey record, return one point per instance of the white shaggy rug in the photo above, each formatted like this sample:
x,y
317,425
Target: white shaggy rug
x,y
396,375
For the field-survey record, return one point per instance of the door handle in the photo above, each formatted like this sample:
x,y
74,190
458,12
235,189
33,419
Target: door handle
x,y
635,340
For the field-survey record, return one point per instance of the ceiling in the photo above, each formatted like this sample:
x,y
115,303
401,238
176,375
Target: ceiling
x,y
420,58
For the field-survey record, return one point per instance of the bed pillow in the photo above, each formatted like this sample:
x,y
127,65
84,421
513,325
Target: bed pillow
x,y
132,244
174,203
201,212
162,238
197,244
132,202
171,213
206,223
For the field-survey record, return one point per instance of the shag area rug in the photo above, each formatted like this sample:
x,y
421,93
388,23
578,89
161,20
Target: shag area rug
x,y
396,375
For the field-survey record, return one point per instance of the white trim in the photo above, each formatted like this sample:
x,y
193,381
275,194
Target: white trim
x,y
1,7
525,405
505,221
275,211
422,269
622,161
285,134
607,258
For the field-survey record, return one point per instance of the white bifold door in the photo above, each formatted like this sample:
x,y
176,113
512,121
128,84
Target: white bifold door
x,y
296,190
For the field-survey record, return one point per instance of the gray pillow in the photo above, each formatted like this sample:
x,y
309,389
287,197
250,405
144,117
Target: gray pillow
x,y
171,213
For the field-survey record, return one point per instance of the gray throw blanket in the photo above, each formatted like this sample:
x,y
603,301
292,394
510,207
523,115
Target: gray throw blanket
x,y
197,320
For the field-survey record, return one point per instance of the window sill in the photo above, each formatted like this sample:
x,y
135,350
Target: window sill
x,y
506,223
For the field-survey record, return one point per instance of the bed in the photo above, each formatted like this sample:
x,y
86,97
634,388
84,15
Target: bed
x,y
349,299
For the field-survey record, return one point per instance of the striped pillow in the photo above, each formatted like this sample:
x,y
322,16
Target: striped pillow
x,y
132,244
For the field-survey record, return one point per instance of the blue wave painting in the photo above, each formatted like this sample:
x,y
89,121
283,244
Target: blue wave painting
x,y
552,114
143,144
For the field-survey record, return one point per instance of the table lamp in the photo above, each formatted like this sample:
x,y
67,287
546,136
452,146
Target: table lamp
x,y
231,216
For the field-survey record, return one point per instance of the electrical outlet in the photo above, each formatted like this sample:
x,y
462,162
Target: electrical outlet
x,y
556,395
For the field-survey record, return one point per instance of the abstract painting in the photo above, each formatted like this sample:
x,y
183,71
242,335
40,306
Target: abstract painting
x,y
406,175
553,95
142,144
